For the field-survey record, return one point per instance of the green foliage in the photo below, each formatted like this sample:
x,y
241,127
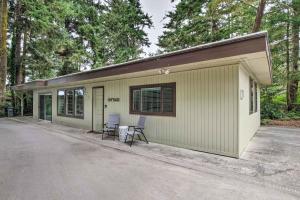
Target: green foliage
x,y
271,110
196,22
67,36
265,122
293,115
125,22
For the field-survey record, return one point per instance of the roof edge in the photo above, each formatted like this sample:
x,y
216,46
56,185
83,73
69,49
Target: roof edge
x,y
257,35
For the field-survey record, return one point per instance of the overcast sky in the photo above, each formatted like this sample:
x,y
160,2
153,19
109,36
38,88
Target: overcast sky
x,y
157,10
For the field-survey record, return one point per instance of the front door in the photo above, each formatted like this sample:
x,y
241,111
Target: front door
x,y
45,107
98,108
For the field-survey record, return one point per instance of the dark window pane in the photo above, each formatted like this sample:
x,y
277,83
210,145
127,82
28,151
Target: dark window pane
x,y
48,105
42,106
151,99
251,96
79,102
136,100
61,102
167,93
69,101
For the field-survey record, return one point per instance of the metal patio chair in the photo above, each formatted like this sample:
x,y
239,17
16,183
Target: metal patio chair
x,y
112,125
137,130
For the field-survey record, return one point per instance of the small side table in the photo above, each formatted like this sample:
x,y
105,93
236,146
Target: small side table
x,y
122,133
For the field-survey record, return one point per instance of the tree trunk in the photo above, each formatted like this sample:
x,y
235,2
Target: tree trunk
x,y
293,89
18,40
288,99
24,51
259,16
3,50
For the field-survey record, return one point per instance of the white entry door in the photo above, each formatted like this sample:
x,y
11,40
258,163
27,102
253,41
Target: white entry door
x,y
98,108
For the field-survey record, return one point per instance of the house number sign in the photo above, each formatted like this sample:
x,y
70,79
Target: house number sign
x,y
113,99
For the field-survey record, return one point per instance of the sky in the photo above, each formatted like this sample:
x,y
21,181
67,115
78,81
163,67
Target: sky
x,y
157,10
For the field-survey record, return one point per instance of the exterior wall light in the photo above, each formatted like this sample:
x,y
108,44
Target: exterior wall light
x,y
164,71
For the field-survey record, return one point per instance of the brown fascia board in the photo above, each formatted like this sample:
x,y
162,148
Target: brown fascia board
x,y
30,85
256,42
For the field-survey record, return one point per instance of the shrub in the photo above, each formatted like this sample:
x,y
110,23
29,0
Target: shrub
x,y
272,110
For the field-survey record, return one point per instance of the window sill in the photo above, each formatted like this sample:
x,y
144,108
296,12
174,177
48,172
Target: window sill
x,y
252,113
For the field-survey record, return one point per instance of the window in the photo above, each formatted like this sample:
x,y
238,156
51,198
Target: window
x,y
150,99
70,102
252,96
79,102
158,99
136,101
61,102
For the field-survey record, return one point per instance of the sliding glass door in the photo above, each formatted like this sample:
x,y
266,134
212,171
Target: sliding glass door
x,y
45,107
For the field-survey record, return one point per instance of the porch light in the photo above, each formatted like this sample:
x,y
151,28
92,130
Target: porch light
x,y
164,71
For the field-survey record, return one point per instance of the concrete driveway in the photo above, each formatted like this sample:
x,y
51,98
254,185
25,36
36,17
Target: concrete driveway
x,y
43,163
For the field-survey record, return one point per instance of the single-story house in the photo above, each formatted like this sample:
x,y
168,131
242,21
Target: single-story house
x,y
204,98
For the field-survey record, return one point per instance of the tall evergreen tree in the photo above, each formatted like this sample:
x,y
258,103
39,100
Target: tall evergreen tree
x,y
125,36
294,82
196,22
3,49
259,15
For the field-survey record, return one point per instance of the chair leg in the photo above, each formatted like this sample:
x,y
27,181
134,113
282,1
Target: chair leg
x,y
132,139
126,138
139,137
145,138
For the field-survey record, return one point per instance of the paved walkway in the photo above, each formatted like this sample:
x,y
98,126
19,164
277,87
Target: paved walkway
x,y
47,161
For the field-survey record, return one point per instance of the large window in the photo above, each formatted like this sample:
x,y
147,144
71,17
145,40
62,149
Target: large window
x,y
158,99
70,102
252,96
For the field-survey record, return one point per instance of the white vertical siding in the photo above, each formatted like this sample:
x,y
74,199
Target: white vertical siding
x,y
248,123
206,109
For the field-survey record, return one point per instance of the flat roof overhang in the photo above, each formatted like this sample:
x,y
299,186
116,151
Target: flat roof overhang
x,y
252,49
31,85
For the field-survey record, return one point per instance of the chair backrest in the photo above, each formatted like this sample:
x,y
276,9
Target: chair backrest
x,y
141,122
112,120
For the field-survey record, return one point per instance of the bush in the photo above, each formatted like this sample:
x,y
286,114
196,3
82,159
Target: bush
x,y
292,115
3,107
265,121
272,110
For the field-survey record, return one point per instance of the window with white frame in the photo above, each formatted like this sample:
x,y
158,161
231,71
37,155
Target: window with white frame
x,y
70,102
